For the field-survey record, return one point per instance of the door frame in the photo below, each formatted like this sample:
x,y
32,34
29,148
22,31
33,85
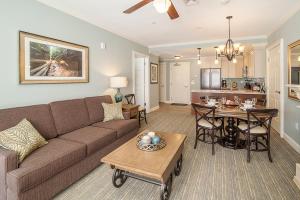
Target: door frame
x,y
279,43
189,82
135,54
165,82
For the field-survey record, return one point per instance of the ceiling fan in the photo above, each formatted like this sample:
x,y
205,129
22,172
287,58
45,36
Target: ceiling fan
x,y
162,6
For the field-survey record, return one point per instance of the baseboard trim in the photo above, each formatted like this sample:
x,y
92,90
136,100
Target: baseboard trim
x,y
292,142
168,102
297,176
154,109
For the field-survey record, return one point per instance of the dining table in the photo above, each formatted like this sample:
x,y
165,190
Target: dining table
x,y
232,112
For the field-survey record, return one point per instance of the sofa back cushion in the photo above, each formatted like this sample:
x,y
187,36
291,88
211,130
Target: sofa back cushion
x,y
95,109
38,115
69,115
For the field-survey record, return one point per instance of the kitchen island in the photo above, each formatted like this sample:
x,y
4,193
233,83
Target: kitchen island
x,y
229,94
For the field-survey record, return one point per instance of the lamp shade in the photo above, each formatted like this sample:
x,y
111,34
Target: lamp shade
x,y
118,82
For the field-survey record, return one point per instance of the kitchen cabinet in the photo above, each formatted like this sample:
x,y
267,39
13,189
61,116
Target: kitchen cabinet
x,y
230,69
209,62
255,60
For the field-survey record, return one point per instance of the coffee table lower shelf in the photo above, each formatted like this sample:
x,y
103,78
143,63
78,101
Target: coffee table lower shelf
x,y
120,177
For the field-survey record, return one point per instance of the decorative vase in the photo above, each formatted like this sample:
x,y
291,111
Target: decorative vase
x,y
118,96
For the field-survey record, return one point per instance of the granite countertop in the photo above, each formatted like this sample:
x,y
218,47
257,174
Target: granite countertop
x,y
230,91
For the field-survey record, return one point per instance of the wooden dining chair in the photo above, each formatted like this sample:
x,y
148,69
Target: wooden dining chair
x,y
142,115
207,122
257,127
203,100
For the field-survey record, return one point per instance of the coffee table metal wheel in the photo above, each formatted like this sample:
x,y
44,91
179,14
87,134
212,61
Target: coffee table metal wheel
x,y
119,178
166,189
178,166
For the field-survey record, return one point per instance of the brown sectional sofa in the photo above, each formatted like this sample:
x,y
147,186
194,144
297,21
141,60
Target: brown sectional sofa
x,y
77,139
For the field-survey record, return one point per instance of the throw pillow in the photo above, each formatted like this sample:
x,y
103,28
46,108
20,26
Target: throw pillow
x,y
112,111
22,138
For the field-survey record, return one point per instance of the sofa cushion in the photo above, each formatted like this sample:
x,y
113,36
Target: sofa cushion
x,y
69,115
44,163
121,126
94,138
39,116
95,109
22,138
112,111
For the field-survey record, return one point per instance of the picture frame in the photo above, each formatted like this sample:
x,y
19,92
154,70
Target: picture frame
x,y
153,73
44,60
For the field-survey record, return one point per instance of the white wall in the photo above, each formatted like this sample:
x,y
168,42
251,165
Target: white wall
x,y
31,16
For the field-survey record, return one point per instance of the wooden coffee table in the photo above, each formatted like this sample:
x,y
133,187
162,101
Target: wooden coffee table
x,y
153,167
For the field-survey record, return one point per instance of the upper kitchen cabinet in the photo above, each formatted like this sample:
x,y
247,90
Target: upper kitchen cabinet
x,y
209,62
255,60
230,69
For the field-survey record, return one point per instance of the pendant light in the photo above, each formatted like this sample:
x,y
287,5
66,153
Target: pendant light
x,y
199,56
216,60
230,50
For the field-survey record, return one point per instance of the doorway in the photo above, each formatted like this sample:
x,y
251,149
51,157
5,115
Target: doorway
x,y
140,79
180,82
275,84
162,82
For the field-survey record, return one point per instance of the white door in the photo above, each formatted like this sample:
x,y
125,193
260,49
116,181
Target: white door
x,y
180,82
162,82
274,84
140,81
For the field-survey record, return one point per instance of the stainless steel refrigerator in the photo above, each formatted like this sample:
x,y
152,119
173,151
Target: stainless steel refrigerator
x,y
211,78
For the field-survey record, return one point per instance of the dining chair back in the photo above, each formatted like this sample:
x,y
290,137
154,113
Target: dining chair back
x,y
130,98
258,125
142,114
208,123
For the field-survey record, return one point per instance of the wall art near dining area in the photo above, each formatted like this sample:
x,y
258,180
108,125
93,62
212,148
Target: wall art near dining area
x,y
153,73
47,60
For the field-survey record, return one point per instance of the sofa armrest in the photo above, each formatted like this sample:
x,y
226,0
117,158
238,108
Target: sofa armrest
x,y
126,115
8,162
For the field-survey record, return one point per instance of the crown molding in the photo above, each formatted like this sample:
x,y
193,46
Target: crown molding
x,y
261,38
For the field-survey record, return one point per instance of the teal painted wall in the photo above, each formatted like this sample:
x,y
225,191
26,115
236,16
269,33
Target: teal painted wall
x,y
290,32
34,17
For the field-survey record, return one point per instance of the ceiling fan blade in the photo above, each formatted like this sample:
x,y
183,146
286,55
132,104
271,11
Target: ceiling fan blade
x,y
137,6
173,14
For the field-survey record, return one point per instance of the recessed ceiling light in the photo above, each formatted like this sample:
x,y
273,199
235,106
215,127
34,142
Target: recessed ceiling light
x,y
177,57
153,22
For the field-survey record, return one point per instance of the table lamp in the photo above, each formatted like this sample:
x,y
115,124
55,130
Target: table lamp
x,y
118,82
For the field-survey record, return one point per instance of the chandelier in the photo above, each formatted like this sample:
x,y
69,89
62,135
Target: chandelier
x,y
230,50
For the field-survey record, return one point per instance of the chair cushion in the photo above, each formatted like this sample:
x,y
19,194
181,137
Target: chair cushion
x,y
44,163
69,115
95,109
39,116
257,130
22,138
94,138
121,126
206,124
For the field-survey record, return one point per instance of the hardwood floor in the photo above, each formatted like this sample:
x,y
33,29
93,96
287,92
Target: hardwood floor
x,y
225,176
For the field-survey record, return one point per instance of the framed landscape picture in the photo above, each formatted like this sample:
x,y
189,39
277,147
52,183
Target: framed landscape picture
x,y
153,73
47,60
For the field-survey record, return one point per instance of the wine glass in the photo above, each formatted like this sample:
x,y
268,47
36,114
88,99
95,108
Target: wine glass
x,y
254,101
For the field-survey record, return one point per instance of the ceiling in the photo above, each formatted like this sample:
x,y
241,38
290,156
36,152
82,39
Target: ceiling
x,y
201,22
